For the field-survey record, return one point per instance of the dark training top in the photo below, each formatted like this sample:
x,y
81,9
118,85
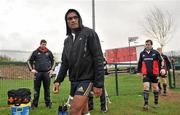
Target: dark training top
x,y
41,60
83,57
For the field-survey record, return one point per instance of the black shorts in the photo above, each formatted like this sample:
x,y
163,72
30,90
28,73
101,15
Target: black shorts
x,y
150,78
82,88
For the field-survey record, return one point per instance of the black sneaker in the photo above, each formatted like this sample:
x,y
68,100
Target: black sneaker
x,y
33,107
104,110
49,106
91,108
164,93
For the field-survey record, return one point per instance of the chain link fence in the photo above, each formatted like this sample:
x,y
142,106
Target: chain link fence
x,y
14,75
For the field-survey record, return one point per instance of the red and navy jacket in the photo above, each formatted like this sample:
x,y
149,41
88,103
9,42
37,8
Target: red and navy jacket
x,y
149,63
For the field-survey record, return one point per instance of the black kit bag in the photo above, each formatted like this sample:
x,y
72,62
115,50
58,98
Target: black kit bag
x,y
19,96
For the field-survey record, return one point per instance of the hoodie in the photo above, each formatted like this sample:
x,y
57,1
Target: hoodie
x,y
83,57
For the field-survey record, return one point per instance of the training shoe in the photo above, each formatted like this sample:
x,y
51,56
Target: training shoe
x,y
85,113
33,107
91,108
159,91
49,105
104,110
155,105
164,94
146,107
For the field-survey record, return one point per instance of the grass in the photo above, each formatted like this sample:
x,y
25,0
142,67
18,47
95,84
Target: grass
x,y
129,101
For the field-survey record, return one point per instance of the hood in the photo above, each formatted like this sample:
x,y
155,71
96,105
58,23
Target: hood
x,y
68,30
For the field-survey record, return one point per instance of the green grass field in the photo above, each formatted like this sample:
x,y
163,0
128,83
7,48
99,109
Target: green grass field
x,y
129,101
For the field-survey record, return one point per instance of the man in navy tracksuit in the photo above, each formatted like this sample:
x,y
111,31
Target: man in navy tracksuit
x,y
167,66
150,65
41,63
82,57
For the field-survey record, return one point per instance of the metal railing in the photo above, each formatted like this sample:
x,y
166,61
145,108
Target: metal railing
x,y
16,74
13,75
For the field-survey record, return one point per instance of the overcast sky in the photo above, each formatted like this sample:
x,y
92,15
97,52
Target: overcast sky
x,y
23,23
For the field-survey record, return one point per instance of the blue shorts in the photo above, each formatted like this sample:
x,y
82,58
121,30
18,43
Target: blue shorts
x,y
82,88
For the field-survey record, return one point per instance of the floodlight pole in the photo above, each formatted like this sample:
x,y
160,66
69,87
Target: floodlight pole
x,y
93,14
131,39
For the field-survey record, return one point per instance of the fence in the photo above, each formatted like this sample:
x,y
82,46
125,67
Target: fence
x,y
176,76
14,75
173,76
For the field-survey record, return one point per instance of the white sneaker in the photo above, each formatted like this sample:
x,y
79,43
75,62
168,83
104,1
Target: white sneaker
x,y
146,107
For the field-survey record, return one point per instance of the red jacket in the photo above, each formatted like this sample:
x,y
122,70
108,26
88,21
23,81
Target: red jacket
x,y
149,63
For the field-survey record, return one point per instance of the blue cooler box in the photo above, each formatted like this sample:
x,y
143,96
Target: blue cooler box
x,y
20,110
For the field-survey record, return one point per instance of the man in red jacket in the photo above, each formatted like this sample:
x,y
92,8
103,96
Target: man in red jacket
x,y
150,65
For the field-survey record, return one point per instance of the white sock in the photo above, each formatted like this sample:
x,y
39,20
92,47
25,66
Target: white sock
x,y
86,113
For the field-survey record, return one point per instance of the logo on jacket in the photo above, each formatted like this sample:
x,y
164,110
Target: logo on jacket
x,y
80,38
39,53
148,59
47,54
80,89
153,54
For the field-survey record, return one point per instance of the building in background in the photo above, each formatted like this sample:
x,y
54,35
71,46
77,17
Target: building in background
x,y
121,55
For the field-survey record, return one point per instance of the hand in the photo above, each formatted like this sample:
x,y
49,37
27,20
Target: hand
x,y
50,72
34,71
97,91
163,72
139,74
171,70
56,87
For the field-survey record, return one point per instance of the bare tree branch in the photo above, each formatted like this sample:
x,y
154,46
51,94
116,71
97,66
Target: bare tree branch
x,y
159,25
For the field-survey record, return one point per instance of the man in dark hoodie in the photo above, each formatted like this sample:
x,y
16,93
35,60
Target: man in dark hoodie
x,y
83,57
167,67
41,63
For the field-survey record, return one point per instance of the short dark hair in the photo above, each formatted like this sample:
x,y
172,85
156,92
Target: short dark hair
x,y
43,41
149,41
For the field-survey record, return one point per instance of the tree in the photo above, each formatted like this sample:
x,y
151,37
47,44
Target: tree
x,y
159,26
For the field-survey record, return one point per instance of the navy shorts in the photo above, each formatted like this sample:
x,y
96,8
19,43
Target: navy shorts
x,y
151,78
82,88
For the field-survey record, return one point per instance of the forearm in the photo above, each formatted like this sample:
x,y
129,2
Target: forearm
x,y
30,65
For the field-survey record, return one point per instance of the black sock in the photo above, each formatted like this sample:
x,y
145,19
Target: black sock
x,y
156,96
159,85
146,96
164,87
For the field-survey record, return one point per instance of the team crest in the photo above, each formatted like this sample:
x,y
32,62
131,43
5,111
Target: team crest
x,y
47,54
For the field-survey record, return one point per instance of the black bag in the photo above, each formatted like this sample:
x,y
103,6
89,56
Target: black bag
x,y
19,96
